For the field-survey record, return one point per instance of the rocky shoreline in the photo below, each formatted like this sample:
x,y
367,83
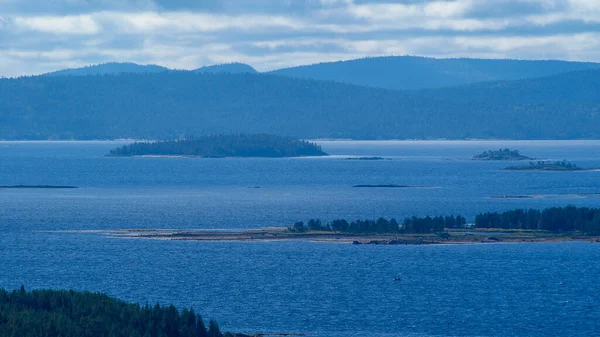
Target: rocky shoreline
x,y
282,234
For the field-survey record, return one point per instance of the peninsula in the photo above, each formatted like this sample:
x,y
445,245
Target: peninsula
x,y
220,146
522,225
502,154
449,236
560,166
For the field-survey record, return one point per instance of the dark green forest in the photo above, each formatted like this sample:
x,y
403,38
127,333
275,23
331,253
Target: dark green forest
x,y
171,105
57,313
557,219
243,145
412,225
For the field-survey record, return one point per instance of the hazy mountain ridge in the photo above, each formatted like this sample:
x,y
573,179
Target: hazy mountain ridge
x,y
393,72
174,104
118,68
231,68
410,72
110,68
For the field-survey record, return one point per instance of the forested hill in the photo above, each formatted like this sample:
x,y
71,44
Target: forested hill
x,y
179,104
112,68
409,72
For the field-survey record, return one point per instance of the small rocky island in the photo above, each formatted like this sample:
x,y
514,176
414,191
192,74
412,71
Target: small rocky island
x,y
390,186
502,154
560,166
36,187
220,146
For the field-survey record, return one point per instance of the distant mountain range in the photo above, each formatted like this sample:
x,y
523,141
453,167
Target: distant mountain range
x,y
407,72
231,68
112,68
117,68
396,73
175,104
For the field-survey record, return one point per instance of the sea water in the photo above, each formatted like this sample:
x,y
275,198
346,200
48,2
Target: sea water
x,y
318,289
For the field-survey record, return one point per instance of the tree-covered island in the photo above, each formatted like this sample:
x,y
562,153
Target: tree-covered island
x,y
220,146
502,154
560,166
522,225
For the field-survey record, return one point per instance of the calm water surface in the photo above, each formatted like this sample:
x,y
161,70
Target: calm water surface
x,y
314,288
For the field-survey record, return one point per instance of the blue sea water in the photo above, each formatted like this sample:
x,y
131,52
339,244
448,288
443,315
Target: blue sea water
x,y
314,288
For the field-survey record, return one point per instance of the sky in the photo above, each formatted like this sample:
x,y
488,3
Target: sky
x,y
40,36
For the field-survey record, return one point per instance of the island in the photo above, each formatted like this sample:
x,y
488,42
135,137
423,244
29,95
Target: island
x,y
560,166
366,158
221,146
390,186
502,154
521,225
37,187
537,196
513,197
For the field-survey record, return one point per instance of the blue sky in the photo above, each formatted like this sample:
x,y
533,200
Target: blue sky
x,y
40,36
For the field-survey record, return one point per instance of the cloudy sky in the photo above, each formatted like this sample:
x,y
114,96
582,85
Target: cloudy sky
x,y
39,36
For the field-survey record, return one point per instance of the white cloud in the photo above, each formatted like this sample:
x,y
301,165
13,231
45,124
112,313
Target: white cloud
x,y
72,24
394,11
575,47
322,30
331,3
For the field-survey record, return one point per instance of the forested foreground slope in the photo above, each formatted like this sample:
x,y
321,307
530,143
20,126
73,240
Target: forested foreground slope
x,y
174,104
57,313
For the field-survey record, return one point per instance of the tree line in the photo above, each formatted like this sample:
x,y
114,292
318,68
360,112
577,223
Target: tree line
x,y
556,219
412,225
57,313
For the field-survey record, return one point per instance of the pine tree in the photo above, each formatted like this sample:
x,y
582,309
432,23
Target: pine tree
x,y
213,329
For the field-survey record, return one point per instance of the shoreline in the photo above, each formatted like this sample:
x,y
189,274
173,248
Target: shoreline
x,y
362,140
282,234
